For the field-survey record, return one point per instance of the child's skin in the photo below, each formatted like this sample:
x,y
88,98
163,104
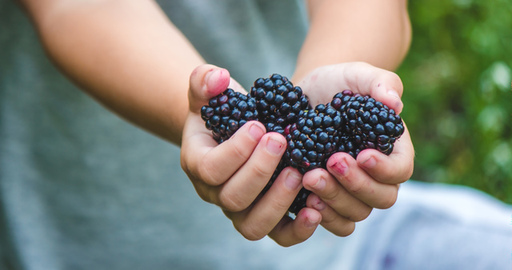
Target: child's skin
x,y
131,58
233,173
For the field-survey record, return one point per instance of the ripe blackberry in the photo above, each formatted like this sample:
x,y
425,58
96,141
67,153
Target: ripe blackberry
x,y
313,138
349,123
368,124
278,102
227,112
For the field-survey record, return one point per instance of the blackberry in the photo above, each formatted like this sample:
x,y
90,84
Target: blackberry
x,y
368,124
278,102
313,138
227,112
349,123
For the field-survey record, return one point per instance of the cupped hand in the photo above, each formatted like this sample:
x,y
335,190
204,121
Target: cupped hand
x,y
233,174
348,190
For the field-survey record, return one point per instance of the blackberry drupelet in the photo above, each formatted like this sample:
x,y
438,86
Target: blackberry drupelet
x,y
227,112
278,102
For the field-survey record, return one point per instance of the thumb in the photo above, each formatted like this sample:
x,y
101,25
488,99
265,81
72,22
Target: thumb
x,y
206,81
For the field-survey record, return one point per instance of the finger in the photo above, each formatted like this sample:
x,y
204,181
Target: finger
x,y
359,77
325,186
215,163
248,182
236,86
206,81
393,169
331,220
267,211
359,184
289,232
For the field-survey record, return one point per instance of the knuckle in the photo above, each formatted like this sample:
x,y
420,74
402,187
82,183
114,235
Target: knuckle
x,y
388,201
240,150
231,202
295,239
330,195
251,232
262,171
409,173
387,204
360,215
206,194
338,225
298,237
393,79
346,230
286,244
184,162
329,219
356,187
205,171
279,205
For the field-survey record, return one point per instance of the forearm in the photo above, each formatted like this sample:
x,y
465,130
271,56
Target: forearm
x,y
126,54
373,31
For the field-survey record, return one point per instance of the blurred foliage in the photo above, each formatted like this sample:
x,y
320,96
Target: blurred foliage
x,y
458,93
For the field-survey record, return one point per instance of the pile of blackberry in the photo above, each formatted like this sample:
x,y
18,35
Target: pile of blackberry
x,y
349,123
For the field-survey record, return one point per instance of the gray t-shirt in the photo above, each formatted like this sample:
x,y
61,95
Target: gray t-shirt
x,y
82,189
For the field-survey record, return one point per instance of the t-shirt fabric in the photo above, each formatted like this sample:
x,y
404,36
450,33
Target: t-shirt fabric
x,y
81,188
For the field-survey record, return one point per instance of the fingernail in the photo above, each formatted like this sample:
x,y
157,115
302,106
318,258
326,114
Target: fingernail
x,y
369,163
274,146
256,132
320,184
211,79
393,93
318,204
398,101
312,221
340,167
208,76
292,181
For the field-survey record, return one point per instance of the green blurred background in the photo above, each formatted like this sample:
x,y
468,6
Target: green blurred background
x,y
458,93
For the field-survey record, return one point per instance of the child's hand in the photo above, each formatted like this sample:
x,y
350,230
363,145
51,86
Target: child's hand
x,y
349,189
233,174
